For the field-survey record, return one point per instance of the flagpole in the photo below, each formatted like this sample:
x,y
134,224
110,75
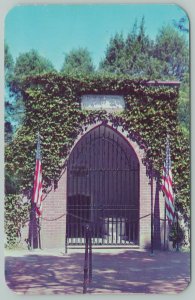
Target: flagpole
x,y
36,200
38,220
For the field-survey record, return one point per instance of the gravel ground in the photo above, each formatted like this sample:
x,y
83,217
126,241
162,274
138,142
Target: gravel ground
x,y
115,271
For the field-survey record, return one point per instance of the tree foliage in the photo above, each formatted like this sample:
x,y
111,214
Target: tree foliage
x,y
27,64
182,24
8,64
9,68
78,61
115,55
16,213
165,58
132,56
171,48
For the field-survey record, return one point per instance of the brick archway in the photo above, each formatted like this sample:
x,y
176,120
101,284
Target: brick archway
x,y
53,232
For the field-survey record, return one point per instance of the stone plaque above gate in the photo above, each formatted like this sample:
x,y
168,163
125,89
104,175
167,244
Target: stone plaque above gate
x,y
110,103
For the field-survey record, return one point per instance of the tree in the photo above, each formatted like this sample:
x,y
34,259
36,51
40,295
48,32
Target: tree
x,y
78,61
165,58
8,64
115,55
8,67
133,55
27,64
139,54
184,106
182,24
172,49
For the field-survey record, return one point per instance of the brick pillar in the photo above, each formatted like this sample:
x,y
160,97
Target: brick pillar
x,y
54,206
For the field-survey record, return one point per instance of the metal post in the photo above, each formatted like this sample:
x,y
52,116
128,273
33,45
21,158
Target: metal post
x,y
85,279
152,216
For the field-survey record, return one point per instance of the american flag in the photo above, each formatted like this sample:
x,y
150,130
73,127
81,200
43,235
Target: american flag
x,y
37,193
167,186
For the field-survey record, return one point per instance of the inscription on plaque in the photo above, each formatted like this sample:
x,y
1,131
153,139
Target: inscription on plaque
x,y
110,103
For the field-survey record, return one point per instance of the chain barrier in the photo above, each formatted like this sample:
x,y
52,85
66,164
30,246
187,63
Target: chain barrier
x,y
84,221
79,218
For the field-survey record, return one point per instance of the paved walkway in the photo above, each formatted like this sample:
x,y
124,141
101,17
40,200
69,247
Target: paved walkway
x,y
114,271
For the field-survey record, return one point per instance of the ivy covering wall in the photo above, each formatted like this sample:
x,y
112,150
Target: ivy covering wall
x,y
53,108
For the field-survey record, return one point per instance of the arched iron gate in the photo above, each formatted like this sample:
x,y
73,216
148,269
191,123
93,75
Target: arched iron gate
x,y
103,189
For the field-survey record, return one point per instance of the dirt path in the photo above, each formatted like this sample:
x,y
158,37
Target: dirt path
x,y
114,271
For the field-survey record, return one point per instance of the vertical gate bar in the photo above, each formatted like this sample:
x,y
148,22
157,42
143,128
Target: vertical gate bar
x,y
134,191
83,199
133,181
129,200
152,213
99,189
72,218
81,210
122,203
112,227
71,199
85,187
94,209
107,200
107,227
120,221
93,186
68,229
89,187
129,229
124,223
116,218
77,220
86,261
102,181
117,188
114,185
67,203
134,226
137,206
102,221
75,204
121,199
105,187
90,255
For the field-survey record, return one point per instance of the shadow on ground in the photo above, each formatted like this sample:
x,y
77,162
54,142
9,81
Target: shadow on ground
x,y
126,272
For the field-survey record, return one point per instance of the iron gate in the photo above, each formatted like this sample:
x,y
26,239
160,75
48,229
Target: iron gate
x,y
103,189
